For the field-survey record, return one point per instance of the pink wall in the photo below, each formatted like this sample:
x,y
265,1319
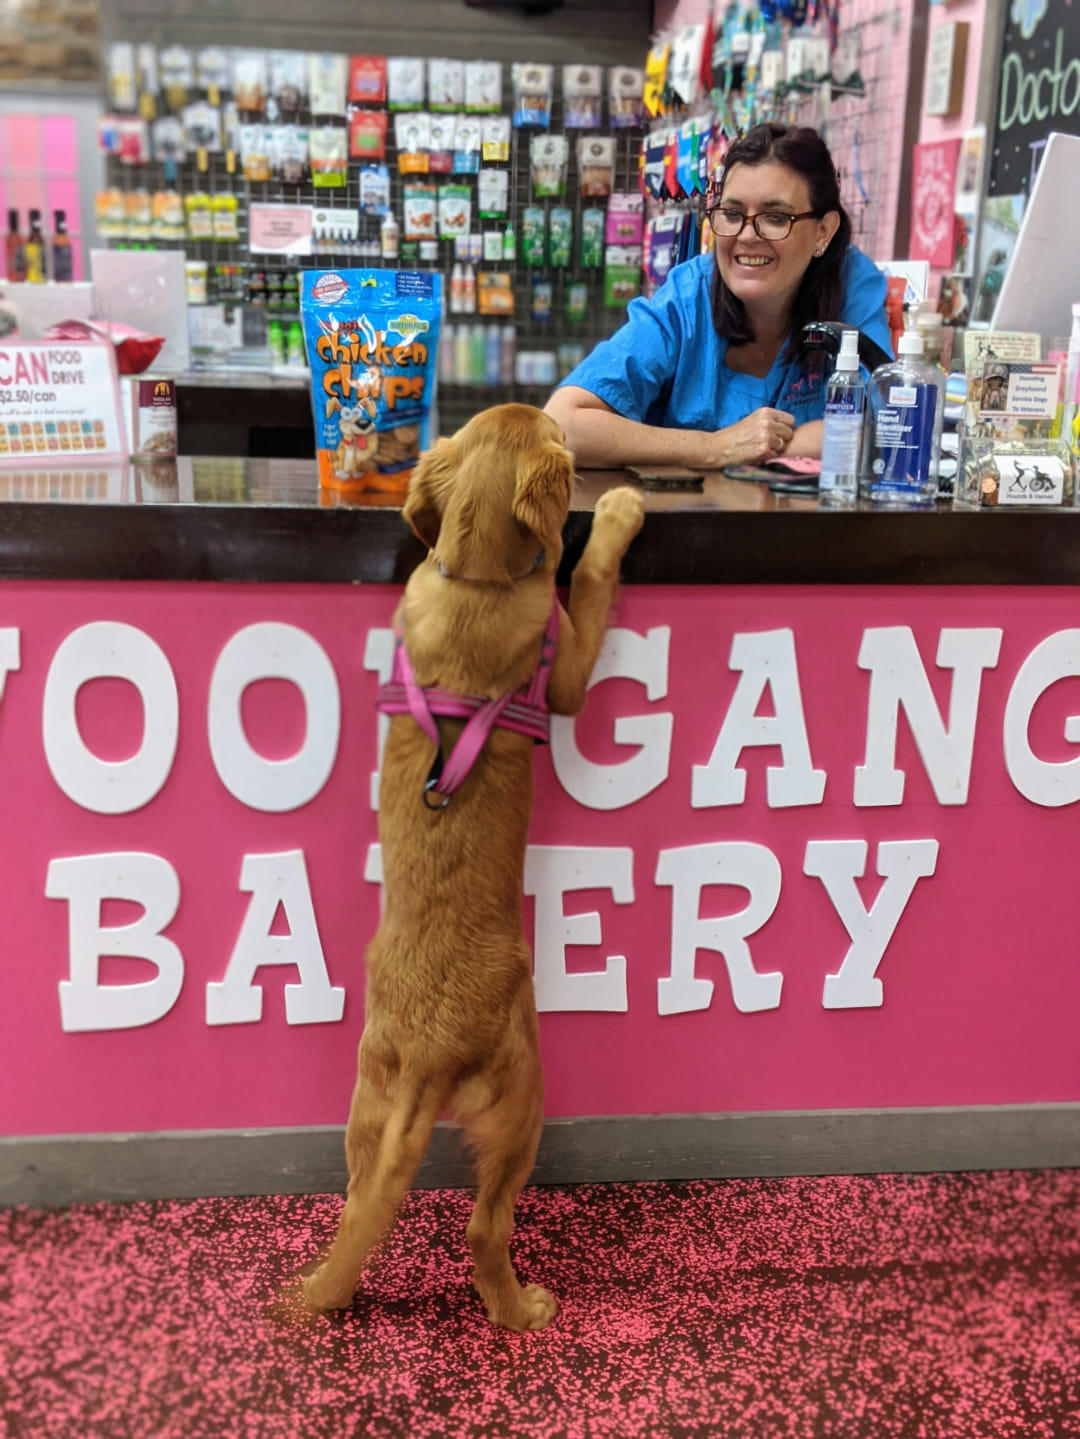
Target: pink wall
x,y
39,170
979,988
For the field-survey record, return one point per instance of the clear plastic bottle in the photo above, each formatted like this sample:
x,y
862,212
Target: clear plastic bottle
x,y
446,355
508,347
841,445
457,288
461,354
468,291
907,408
492,355
476,355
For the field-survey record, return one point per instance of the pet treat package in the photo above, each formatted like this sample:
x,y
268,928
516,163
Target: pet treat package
x,y
372,342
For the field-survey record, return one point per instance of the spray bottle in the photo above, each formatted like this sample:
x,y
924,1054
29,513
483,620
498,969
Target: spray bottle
x,y
845,406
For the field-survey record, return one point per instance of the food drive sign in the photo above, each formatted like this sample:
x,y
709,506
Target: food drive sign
x,y
59,400
805,848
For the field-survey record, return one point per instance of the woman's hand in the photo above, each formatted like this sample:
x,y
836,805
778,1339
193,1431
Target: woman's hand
x,y
763,435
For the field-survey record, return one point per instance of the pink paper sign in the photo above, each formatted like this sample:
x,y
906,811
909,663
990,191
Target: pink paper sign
x,y
933,204
279,229
806,848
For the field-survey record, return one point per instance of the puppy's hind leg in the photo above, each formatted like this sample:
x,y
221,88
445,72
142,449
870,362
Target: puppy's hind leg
x,y
505,1137
373,1197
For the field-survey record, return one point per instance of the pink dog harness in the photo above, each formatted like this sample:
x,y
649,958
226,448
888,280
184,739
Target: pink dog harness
x,y
523,710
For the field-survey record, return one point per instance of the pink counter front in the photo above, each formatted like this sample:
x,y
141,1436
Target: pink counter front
x,y
810,849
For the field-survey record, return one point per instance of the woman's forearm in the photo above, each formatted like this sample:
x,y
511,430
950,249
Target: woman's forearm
x,y
806,441
601,439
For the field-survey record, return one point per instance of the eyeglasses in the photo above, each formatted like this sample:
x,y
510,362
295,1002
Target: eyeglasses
x,y
727,222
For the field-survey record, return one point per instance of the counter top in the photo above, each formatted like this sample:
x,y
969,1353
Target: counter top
x,y
243,519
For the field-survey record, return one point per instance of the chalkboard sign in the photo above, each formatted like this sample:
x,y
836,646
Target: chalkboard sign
x,y
1039,89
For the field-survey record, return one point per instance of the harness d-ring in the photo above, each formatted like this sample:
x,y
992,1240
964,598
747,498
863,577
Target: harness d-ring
x,y
431,785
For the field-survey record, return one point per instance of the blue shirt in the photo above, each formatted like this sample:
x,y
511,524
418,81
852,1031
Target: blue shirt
x,y
665,366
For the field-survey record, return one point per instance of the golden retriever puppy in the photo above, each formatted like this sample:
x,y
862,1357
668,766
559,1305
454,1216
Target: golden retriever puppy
x,y
450,1019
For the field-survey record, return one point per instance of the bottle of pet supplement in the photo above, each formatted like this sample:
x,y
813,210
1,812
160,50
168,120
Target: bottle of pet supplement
x,y
845,406
907,408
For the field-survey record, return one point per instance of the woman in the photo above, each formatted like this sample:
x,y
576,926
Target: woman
x,y
708,372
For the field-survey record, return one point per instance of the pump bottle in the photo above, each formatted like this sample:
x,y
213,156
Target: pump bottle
x,y
907,409
845,407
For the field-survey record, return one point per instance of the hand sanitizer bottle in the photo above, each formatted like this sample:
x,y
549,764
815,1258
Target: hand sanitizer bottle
x,y
845,406
907,407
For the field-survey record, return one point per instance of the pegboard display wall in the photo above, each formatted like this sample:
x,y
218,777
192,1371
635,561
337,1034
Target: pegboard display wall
x,y
235,275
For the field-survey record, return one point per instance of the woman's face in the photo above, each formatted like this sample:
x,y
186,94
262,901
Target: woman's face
x,y
766,274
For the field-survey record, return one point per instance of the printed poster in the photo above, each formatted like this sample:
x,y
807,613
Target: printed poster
x,y
933,199
59,399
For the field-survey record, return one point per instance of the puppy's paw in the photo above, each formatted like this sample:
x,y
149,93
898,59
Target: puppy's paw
x,y
531,1307
323,1290
620,514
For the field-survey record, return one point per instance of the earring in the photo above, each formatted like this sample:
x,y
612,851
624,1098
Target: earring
x,y
818,254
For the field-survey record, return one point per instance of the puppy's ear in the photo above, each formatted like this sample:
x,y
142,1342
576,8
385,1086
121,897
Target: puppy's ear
x,y
545,481
424,503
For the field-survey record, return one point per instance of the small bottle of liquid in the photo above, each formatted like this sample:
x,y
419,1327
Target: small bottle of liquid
x,y
907,408
14,250
34,250
492,355
457,288
468,293
461,355
446,355
509,244
476,355
388,236
841,446
275,338
61,249
508,349
1072,378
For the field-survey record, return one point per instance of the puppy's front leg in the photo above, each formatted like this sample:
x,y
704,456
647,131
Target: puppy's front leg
x,y
616,520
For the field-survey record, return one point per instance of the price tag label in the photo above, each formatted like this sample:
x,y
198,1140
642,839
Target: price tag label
x,y
59,399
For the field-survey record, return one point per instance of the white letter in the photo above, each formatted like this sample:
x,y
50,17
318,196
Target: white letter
x,y
1041,781
273,651
625,655
837,863
86,880
379,656
550,872
897,677
273,879
750,866
9,655
103,649
767,658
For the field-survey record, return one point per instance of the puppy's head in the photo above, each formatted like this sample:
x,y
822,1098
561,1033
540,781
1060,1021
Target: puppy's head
x,y
493,497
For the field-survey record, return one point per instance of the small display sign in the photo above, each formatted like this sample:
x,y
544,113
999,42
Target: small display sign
x,y
59,398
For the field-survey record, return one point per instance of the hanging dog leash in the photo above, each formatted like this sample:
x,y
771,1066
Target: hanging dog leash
x,y
524,710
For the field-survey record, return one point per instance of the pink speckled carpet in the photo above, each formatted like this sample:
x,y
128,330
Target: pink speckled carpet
x,y
926,1306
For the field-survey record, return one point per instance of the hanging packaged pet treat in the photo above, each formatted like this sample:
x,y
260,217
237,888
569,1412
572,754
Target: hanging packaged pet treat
x,y
455,211
202,127
255,152
625,219
372,341
443,133
684,67
224,215
249,80
483,86
198,216
560,235
327,80
214,73
622,273
582,89
288,80
596,165
592,239
167,140
367,80
367,134
549,156
121,76
541,299
167,217
374,186
140,214
328,146
661,247
446,84
412,136
289,153
533,226
495,292
577,300
176,70
626,97
467,138
533,87
495,139
493,188
405,82
420,212
492,246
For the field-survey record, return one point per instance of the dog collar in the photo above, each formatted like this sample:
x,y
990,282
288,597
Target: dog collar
x,y
476,580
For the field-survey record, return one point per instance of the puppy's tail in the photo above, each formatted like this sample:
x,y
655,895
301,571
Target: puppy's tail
x,y
373,1199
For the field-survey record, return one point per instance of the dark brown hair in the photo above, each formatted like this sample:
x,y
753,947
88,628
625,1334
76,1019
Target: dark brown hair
x,y
821,294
